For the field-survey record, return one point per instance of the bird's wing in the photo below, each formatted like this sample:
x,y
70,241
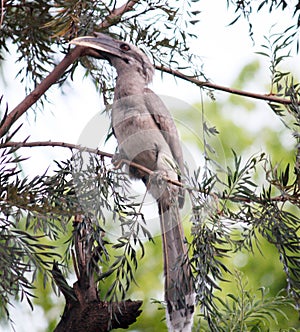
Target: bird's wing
x,y
165,122
166,125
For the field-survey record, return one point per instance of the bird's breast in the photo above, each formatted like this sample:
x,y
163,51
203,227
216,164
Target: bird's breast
x,y
138,136
130,116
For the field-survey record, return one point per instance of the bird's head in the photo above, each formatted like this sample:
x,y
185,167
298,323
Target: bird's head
x,y
126,58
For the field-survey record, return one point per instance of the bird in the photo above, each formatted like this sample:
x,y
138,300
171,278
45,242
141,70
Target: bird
x,y
147,135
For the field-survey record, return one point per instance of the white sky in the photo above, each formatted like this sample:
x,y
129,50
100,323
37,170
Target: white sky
x,y
224,50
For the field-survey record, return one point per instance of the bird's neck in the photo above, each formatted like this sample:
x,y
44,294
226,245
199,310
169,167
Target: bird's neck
x,y
129,83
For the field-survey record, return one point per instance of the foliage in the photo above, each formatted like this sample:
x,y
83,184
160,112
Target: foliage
x,y
247,310
245,8
22,253
236,201
256,197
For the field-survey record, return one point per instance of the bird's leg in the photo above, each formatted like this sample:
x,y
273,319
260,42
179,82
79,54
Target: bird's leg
x,y
156,184
157,178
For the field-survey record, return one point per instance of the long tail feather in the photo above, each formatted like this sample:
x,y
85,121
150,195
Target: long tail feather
x,y
179,291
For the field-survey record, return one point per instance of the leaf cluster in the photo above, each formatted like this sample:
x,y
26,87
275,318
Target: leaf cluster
x,y
98,193
277,48
24,27
244,8
27,216
231,201
247,310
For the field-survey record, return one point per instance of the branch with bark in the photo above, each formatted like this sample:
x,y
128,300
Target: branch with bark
x,y
207,84
84,311
121,162
77,52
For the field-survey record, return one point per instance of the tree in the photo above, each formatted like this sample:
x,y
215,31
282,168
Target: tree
x,y
237,206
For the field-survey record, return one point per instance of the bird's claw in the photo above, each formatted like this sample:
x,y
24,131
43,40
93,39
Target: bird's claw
x,y
157,177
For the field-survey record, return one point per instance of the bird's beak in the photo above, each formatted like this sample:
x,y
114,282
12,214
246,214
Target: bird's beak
x,y
101,42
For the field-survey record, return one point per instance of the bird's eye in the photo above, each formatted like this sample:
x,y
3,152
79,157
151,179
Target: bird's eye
x,y
124,47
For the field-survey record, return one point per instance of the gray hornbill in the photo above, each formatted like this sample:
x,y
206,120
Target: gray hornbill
x,y
147,135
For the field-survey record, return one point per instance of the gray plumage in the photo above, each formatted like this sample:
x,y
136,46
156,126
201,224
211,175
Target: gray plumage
x,y
147,135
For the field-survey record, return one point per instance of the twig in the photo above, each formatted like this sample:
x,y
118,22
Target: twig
x,y
62,284
2,13
266,97
118,12
56,144
75,264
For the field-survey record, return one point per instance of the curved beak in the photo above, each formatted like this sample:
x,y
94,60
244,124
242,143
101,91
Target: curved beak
x,y
100,42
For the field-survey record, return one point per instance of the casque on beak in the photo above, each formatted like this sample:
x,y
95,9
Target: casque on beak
x,y
100,42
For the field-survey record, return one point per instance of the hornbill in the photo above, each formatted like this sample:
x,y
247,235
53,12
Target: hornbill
x,y
147,135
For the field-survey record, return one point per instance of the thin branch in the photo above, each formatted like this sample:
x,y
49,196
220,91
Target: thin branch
x,y
2,13
58,71
62,284
237,199
75,264
56,144
266,97
117,13
86,149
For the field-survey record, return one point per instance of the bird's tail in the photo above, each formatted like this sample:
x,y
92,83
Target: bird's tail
x,y
179,290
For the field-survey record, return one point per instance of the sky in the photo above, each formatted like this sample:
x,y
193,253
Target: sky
x,y
224,50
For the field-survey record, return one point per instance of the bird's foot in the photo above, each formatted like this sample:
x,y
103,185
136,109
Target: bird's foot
x,y
157,178
156,184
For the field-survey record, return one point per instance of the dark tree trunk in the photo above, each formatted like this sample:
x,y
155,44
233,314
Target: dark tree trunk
x,y
96,316
84,311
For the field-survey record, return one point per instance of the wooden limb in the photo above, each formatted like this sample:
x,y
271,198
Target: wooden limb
x,y
266,97
92,316
2,13
117,13
62,284
99,316
71,146
84,311
119,163
83,242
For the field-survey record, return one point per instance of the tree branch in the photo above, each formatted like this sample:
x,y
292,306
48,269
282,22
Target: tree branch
x,y
266,97
56,144
84,311
117,13
119,163
58,71
83,314
86,149
2,13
